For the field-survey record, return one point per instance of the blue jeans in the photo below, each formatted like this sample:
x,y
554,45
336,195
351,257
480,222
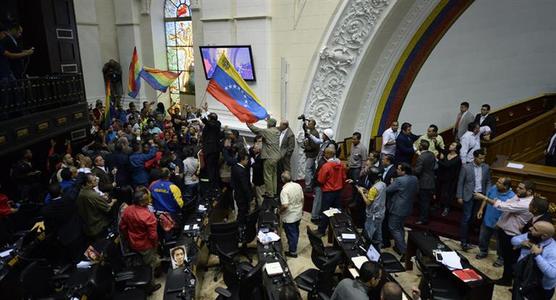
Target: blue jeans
x,y
373,227
484,239
469,213
317,199
292,233
395,224
309,170
190,192
329,199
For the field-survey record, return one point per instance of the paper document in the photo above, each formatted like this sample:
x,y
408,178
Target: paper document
x,y
268,237
329,213
449,259
353,272
84,264
6,253
348,236
273,268
359,260
514,165
186,227
195,226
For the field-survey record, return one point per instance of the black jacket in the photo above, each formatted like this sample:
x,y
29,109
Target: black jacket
x,y
241,184
211,136
489,121
527,280
16,65
544,217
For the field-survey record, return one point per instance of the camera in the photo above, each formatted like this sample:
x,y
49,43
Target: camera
x,y
302,117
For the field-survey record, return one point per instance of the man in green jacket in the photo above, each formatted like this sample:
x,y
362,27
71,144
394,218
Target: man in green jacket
x,y
270,153
94,208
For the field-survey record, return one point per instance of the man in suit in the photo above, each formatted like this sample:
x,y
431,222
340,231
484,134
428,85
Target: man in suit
x,y
211,146
11,47
287,145
464,118
550,151
241,186
94,209
473,178
402,191
485,119
388,174
270,153
424,169
105,180
404,144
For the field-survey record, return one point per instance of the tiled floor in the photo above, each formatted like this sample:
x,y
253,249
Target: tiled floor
x,y
297,265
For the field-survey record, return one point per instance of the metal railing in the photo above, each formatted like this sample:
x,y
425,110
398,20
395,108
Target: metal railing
x,y
26,96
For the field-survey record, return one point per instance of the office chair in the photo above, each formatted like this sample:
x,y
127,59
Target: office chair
x,y
242,279
126,274
226,237
249,233
320,254
320,282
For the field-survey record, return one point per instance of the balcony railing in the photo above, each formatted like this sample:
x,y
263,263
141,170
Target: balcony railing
x,y
26,96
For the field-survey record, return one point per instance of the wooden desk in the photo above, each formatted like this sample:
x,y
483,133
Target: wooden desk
x,y
426,243
543,176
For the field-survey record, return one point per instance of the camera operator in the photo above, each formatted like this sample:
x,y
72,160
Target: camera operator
x,y
311,150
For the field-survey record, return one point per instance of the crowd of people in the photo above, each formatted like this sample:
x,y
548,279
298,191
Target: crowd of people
x,y
141,164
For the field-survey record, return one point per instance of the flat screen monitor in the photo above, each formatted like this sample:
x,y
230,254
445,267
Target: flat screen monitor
x,y
240,56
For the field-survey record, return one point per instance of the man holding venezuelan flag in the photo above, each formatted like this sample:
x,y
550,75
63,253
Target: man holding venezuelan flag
x,y
230,89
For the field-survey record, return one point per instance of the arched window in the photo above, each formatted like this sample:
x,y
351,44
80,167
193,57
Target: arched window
x,y
179,46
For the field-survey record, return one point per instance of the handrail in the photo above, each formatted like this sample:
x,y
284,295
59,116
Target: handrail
x,y
37,94
525,142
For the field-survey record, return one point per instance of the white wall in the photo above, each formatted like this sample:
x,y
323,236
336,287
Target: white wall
x,y
497,52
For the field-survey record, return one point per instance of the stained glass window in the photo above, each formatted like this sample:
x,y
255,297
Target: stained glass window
x,y
179,46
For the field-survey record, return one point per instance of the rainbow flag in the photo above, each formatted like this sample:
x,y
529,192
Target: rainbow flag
x,y
133,82
108,107
158,79
230,89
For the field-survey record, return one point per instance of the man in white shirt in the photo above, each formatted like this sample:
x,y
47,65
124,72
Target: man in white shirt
x,y
389,137
470,142
550,151
291,198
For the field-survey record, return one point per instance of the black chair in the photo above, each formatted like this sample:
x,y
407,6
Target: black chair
x,y
248,234
127,275
242,279
319,282
223,238
321,255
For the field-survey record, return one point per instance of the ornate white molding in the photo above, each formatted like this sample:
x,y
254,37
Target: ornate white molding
x,y
339,56
347,43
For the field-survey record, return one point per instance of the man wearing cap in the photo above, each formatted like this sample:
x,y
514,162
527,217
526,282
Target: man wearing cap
x,y
325,142
270,153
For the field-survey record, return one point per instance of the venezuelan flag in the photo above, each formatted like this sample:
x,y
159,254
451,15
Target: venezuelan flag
x,y
158,79
133,82
230,89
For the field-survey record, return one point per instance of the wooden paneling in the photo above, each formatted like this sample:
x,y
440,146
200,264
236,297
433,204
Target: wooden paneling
x,y
543,176
525,142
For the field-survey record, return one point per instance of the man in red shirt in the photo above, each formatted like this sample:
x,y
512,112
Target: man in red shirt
x,y
138,228
331,176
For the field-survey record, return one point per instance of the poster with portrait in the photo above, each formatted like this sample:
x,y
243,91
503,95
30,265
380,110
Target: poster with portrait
x,y
178,256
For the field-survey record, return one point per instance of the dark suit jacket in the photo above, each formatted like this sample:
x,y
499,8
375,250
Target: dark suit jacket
x,y
104,179
544,217
211,136
390,175
16,65
466,181
120,160
241,184
424,169
288,143
489,121
402,191
404,147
